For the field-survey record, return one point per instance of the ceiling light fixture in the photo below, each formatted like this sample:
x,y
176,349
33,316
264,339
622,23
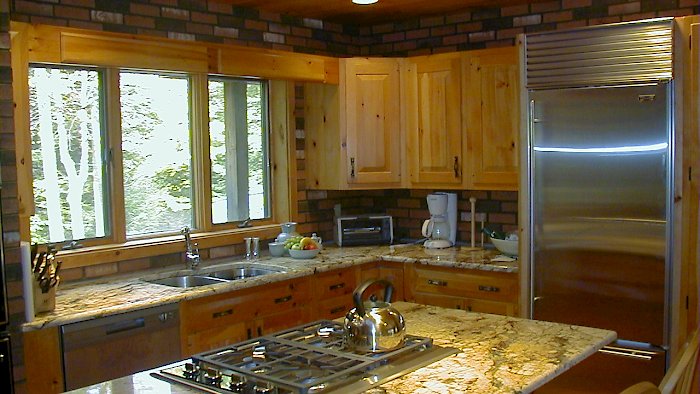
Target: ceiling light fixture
x,y
364,2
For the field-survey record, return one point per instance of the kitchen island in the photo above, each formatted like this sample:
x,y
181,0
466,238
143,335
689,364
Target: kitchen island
x,y
498,354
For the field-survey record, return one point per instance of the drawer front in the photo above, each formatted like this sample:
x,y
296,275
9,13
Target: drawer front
x,y
213,338
496,286
280,321
230,308
279,298
494,307
335,307
215,311
439,300
335,283
392,274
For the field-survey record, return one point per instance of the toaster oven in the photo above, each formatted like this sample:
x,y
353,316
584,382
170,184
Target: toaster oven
x,y
363,230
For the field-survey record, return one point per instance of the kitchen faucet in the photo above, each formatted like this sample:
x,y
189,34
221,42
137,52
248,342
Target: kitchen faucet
x,y
191,250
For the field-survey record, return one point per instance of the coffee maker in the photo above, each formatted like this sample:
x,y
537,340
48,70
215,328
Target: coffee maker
x,y
441,228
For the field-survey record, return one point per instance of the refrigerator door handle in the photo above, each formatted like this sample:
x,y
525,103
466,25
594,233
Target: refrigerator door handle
x,y
533,119
645,355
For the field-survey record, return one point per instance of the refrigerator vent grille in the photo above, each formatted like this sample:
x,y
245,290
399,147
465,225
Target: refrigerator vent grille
x,y
628,53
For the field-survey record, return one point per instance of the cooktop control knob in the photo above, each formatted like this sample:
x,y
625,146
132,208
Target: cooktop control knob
x,y
211,376
190,371
238,384
265,388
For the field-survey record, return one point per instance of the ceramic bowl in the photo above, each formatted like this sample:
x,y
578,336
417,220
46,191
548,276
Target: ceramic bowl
x,y
276,249
304,254
506,247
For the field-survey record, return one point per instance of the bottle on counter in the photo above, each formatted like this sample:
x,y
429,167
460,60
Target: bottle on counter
x,y
317,239
289,230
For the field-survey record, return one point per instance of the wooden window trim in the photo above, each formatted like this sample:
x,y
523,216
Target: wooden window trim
x,y
46,44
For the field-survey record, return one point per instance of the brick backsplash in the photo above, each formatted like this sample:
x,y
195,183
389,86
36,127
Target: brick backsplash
x,y
409,209
214,21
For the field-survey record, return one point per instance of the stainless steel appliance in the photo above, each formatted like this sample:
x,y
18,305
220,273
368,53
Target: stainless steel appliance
x,y
111,347
363,230
600,181
311,358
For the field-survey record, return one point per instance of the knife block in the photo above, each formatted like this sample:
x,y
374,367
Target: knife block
x,y
44,302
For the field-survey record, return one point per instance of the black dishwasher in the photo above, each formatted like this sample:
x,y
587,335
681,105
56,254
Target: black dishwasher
x,y
110,347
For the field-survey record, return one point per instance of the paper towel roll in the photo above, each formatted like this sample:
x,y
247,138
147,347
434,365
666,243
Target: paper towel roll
x,y
27,279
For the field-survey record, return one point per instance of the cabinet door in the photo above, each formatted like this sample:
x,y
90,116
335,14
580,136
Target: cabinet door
x,y
393,272
434,120
492,97
371,95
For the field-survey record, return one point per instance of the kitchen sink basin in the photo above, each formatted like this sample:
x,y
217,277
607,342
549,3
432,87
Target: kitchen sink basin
x,y
187,281
222,274
242,273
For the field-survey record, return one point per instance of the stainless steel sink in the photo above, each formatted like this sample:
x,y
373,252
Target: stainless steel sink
x,y
186,281
242,273
222,274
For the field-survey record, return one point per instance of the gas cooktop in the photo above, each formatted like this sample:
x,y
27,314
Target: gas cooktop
x,y
310,358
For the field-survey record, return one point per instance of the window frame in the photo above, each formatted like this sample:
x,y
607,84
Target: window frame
x,y
281,148
265,93
105,149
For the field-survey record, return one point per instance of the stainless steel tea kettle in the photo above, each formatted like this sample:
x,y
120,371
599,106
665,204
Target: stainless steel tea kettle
x,y
374,326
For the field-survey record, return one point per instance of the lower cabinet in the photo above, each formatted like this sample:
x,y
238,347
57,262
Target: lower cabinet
x,y
476,291
387,270
333,292
219,320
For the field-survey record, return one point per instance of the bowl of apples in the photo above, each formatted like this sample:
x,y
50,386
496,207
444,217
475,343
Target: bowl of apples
x,y
302,247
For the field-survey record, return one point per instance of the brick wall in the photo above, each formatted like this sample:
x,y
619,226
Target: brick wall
x,y
8,174
492,27
192,20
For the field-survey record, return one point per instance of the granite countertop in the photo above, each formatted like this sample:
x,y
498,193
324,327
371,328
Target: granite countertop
x,y
86,300
498,354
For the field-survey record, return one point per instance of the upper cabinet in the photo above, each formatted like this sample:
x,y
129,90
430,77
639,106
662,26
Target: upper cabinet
x,y
354,131
491,96
434,120
447,121
370,99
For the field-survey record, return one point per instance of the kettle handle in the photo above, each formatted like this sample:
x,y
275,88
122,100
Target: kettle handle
x,y
357,295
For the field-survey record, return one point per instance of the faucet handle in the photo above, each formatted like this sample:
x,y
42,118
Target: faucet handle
x,y
195,248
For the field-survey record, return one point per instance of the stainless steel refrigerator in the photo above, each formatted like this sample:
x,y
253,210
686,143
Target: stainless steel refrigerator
x,y
600,166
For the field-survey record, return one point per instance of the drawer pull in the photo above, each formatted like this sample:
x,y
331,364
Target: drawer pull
x,y
337,309
283,299
217,315
491,289
336,286
436,282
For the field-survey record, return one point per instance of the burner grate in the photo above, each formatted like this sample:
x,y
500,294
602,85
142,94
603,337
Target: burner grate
x,y
312,358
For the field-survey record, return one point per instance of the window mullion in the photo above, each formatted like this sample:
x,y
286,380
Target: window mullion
x,y
201,166
115,157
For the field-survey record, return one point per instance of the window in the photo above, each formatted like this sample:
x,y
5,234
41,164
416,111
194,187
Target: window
x,y
155,122
68,140
73,157
238,149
